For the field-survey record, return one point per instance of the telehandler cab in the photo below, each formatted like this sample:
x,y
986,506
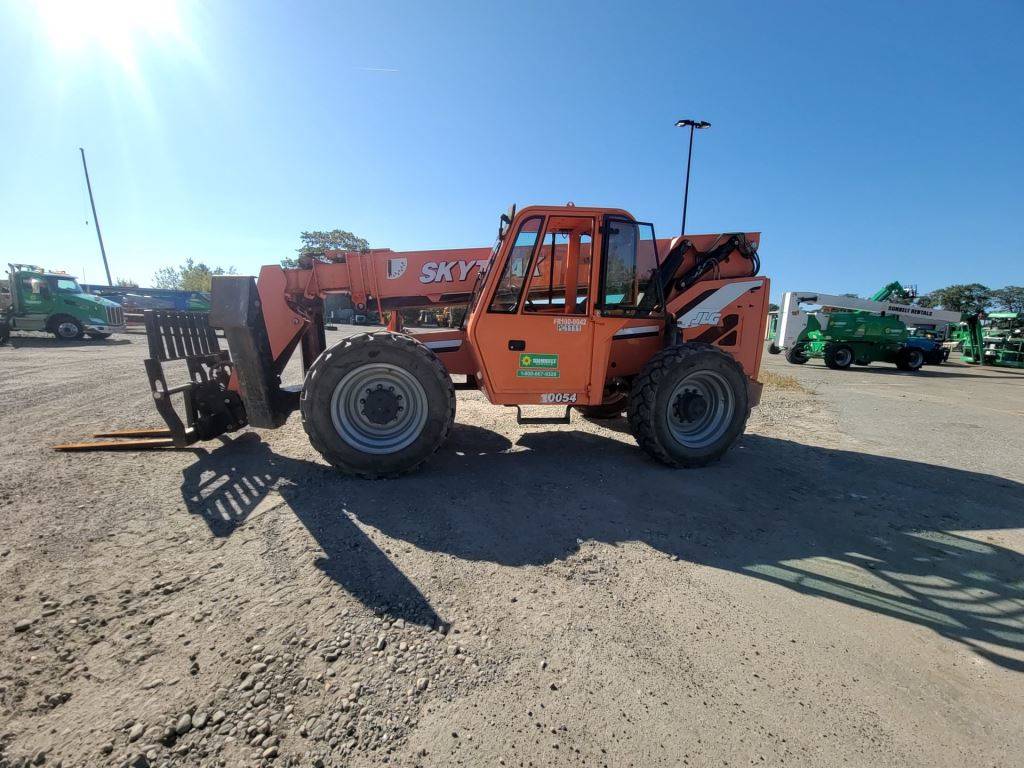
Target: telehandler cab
x,y
573,307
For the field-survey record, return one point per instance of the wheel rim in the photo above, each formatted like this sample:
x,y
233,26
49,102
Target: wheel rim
x,y
843,357
916,358
67,330
700,409
379,408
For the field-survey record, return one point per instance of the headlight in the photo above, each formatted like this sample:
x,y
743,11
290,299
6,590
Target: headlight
x,y
95,321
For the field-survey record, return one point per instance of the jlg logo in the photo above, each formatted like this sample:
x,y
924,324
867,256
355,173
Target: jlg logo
x,y
704,318
448,271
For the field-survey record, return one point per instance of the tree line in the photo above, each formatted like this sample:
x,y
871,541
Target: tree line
x,y
190,276
198,276
973,298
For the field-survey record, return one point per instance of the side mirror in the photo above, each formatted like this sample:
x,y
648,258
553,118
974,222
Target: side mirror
x,y
44,292
506,221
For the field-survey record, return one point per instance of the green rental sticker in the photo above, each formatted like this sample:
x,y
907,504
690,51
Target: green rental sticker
x,y
527,360
536,374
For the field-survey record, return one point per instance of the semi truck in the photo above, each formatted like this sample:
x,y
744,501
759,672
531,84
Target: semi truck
x,y
35,299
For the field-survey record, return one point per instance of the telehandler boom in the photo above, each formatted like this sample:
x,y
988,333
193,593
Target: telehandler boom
x,y
572,307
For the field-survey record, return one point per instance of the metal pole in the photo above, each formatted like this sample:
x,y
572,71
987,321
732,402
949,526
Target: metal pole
x,y
692,125
686,190
96,221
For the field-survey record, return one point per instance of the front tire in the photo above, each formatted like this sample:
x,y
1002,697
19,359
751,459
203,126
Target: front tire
x,y
66,328
838,357
377,404
795,355
688,405
909,359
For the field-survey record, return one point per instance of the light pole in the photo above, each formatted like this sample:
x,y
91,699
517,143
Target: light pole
x,y
691,124
95,220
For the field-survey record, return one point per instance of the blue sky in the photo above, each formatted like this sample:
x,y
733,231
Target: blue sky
x,y
867,141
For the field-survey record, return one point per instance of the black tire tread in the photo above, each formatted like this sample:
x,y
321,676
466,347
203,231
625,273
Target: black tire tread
x,y
795,355
350,345
604,411
56,320
903,361
830,356
641,410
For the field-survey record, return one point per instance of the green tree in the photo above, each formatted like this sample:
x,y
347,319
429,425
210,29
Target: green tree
x,y
970,298
124,282
315,245
167,278
190,276
1010,298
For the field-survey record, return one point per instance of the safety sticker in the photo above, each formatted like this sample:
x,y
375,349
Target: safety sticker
x,y
527,360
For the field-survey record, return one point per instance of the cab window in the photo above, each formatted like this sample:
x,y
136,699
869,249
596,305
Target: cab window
x,y
630,261
31,286
64,285
513,276
560,277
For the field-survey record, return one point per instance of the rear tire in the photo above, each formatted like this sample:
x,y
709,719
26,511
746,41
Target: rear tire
x,y
377,404
5,332
612,408
688,405
838,357
66,328
909,359
795,355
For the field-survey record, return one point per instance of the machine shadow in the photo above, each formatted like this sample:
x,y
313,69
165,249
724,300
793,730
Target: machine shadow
x,y
935,372
877,533
32,342
946,371
226,485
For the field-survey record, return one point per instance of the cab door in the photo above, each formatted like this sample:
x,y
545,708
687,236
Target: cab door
x,y
534,334
34,302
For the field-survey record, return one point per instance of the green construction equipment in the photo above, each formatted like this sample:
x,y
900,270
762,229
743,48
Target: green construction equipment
x,y
997,340
856,338
894,291
873,330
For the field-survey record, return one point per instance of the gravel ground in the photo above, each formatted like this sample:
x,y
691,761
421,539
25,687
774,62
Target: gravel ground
x,y
845,587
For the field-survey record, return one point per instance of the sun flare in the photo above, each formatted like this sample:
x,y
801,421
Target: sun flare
x,y
117,28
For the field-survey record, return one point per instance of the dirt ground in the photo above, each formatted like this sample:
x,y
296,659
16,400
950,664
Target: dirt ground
x,y
845,588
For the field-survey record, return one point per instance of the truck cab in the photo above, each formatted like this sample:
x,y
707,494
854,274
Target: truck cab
x,y
37,300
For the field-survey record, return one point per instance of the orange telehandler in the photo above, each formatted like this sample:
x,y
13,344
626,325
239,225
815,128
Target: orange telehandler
x,y
573,307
